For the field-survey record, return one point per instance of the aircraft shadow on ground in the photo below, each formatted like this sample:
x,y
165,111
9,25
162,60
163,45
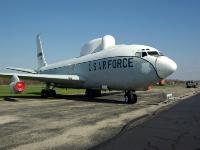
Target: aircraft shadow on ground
x,y
77,97
90,99
10,99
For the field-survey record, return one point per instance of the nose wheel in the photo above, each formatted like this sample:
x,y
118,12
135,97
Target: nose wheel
x,y
130,97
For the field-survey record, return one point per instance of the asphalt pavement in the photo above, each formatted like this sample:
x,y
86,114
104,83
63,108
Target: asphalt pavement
x,y
177,128
68,121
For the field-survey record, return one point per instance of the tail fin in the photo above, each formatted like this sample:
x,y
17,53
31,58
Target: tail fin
x,y
40,54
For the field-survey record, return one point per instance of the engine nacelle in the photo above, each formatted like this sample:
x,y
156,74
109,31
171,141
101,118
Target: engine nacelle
x,y
17,86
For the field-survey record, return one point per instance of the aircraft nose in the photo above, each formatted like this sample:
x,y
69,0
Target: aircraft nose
x,y
165,66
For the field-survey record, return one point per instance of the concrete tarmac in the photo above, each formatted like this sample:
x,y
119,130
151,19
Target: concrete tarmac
x,y
77,122
67,122
177,128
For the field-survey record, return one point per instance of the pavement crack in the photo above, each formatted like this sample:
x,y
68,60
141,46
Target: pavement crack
x,y
196,138
177,140
196,119
164,139
150,145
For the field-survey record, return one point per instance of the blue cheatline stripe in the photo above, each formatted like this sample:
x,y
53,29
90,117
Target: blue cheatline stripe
x,y
110,58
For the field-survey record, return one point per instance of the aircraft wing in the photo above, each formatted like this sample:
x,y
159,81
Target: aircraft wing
x,y
22,70
49,78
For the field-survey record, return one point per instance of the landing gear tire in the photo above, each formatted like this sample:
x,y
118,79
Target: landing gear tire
x,y
130,97
44,93
92,93
52,93
48,93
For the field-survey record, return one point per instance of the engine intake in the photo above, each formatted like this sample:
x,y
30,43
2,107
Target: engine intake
x,y
16,85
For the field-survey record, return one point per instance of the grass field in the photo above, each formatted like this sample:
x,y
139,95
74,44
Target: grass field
x,y
34,90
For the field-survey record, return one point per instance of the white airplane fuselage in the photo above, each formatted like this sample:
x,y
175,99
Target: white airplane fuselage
x,y
101,65
121,67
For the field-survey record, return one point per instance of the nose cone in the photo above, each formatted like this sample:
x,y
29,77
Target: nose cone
x,y
165,66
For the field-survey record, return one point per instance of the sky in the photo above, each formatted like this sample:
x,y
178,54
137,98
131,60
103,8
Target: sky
x,y
171,26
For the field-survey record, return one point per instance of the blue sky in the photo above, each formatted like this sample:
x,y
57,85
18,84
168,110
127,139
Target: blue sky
x,y
172,26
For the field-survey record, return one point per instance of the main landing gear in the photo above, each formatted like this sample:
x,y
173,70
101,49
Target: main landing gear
x,y
48,92
130,97
45,93
92,93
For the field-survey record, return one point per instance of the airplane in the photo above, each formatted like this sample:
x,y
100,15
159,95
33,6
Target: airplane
x,y
101,65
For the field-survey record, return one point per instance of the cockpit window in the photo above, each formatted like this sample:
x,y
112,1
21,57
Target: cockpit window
x,y
144,54
153,53
140,54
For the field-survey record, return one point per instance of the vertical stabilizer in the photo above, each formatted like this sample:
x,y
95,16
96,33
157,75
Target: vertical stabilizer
x,y
40,54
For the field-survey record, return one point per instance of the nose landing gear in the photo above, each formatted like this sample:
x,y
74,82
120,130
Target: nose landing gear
x,y
130,97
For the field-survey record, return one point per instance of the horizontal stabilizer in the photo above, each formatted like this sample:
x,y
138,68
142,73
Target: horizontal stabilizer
x,y
22,70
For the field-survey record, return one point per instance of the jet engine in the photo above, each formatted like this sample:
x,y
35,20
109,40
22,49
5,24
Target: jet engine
x,y
16,85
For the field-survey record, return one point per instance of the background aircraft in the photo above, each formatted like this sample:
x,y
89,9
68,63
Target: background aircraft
x,y
101,65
